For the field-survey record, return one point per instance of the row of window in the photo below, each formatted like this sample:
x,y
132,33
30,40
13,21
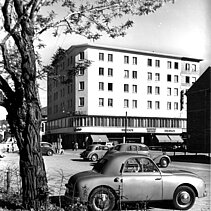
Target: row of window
x,y
110,103
99,121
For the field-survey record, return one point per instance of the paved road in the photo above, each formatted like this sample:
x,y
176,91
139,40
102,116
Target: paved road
x,y
60,167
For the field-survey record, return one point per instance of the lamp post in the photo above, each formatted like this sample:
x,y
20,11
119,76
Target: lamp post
x,y
125,138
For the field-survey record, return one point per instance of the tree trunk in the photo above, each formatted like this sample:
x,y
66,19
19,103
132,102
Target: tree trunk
x,y
32,168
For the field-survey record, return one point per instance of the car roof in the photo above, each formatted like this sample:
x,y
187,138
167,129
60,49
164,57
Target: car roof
x,y
115,160
133,144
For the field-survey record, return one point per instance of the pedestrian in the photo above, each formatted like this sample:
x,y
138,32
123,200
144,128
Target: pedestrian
x,y
76,146
8,148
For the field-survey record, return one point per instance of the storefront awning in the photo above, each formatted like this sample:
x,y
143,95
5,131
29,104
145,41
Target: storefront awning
x,y
99,138
176,138
163,138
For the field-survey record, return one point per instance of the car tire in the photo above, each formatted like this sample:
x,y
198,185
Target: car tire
x,y
184,198
102,199
49,153
94,158
164,162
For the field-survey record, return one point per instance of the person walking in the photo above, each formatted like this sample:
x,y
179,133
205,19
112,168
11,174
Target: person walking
x,y
76,146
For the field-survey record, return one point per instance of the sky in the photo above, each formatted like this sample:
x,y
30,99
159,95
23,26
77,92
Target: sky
x,y
182,28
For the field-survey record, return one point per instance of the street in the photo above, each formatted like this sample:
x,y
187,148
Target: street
x,y
60,167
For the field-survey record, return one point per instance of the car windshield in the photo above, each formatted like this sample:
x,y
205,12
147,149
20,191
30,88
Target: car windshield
x,y
117,147
98,167
90,148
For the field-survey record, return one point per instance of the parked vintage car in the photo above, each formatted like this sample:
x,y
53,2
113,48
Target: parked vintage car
x,y
158,156
133,178
94,152
47,148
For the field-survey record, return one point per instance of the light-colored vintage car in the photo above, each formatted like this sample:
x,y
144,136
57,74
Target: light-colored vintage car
x,y
133,178
158,156
94,152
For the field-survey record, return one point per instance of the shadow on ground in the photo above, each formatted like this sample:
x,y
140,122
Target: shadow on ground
x,y
191,158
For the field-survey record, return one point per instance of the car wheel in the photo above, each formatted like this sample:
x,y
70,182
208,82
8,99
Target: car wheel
x,y
49,153
184,198
102,199
164,162
94,158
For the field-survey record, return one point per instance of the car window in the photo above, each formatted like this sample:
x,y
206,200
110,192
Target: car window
x,y
97,148
132,148
139,165
142,148
131,165
104,148
147,165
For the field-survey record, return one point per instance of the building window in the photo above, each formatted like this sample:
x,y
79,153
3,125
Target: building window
x,y
81,85
81,71
193,67
101,102
101,71
149,104
126,88
193,80
176,65
110,86
176,79
157,76
157,63
126,59
187,79
168,105
134,74
176,106
110,57
149,62
110,71
149,89
157,90
126,73
149,76
187,66
126,103
157,105
101,86
101,56
134,103
175,91
169,78
134,88
169,64
169,91
81,101
110,102
135,60
81,55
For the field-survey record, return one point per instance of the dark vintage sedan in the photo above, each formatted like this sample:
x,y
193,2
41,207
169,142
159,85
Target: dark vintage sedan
x,y
47,148
130,177
158,156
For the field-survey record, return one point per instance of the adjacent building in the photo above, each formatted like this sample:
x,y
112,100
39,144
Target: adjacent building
x,y
198,114
123,95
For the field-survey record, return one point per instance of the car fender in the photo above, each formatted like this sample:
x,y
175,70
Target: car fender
x,y
159,157
86,185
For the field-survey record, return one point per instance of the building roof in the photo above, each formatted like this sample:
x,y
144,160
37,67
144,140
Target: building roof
x,y
134,51
203,82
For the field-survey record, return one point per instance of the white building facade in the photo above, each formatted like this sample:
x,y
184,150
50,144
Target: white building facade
x,y
125,94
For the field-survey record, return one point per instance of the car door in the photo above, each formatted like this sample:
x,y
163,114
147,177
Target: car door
x,y
141,180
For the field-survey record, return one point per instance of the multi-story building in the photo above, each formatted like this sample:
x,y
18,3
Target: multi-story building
x,y
123,95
